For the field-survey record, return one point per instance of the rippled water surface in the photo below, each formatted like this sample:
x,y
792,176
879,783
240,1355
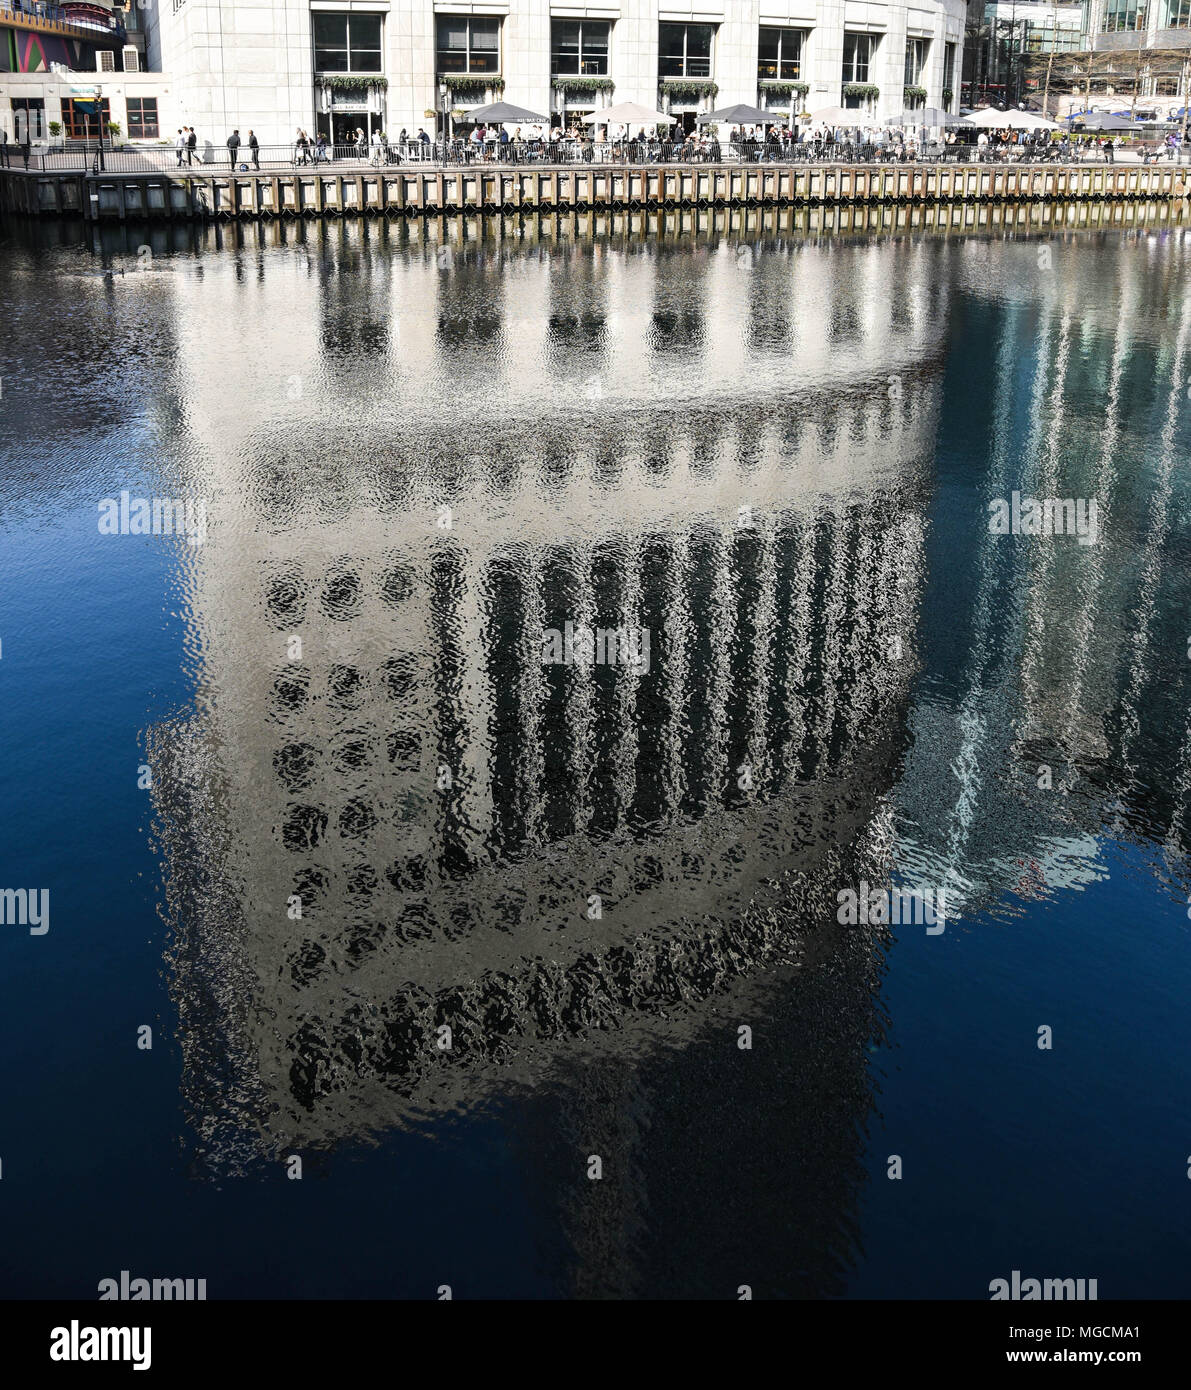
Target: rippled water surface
x,y
401,896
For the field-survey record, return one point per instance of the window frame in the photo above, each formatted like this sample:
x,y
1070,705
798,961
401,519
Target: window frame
x,y
784,69
149,129
350,51
871,41
469,68
596,66
686,74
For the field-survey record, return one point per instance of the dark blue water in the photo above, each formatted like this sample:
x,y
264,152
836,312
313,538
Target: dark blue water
x,y
776,453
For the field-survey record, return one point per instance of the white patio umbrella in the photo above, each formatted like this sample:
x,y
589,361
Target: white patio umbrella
x,y
841,115
919,115
1009,120
627,113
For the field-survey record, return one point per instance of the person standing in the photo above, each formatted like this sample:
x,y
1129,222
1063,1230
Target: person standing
x,y
233,146
1108,151
180,145
191,144
255,146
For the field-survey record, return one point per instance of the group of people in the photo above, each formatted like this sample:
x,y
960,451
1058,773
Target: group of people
x,y
186,147
776,142
378,149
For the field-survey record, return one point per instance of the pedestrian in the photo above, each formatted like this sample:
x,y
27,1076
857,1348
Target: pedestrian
x,y
180,145
233,146
191,144
255,146
1108,151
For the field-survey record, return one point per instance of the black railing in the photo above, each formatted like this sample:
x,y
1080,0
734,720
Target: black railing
x,y
81,156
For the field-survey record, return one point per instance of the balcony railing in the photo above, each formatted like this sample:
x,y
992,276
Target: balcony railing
x,y
79,22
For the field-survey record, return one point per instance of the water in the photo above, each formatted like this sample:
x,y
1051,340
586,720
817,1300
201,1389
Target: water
x,y
769,454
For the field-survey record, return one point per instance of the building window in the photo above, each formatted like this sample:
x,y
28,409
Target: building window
x,y
779,54
142,118
580,49
1124,15
949,67
346,42
468,45
28,119
916,50
859,52
1178,14
79,119
684,50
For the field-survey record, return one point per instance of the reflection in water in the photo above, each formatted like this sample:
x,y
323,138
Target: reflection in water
x,y
425,445
589,874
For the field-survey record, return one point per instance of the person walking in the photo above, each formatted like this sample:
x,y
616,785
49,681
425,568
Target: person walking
x,y
1108,151
191,144
180,145
255,146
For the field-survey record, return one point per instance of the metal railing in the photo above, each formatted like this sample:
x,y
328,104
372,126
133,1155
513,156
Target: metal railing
x,y
83,157
56,18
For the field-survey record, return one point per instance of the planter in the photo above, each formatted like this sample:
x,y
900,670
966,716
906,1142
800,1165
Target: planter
x,y
772,88
685,87
472,82
583,85
352,82
864,90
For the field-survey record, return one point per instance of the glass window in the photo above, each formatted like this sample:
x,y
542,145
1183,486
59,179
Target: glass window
x,y
28,119
949,66
468,45
142,118
859,50
346,43
1178,14
779,54
580,48
1126,15
684,50
78,118
916,50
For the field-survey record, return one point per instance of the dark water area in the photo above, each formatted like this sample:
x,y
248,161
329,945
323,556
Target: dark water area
x,y
409,885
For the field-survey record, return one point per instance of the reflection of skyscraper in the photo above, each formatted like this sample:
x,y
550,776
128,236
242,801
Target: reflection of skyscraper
x,y
1071,688
446,807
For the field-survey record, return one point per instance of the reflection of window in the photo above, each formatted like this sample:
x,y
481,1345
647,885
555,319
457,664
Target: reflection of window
x,y
142,118
468,45
1178,14
684,50
346,42
1127,15
859,51
915,60
580,49
779,53
79,119
28,118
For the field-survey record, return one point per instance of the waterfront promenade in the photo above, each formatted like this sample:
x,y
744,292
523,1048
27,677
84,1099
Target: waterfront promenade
x,y
173,193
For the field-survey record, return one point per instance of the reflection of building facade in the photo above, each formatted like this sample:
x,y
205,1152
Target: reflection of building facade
x,y
1062,659
444,805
